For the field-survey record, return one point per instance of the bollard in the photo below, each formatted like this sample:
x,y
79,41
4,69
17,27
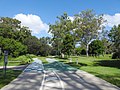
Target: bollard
x,y
77,61
70,60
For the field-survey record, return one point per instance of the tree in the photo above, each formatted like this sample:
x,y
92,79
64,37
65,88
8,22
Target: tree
x,y
96,47
33,45
87,26
114,36
68,45
14,47
11,28
13,35
107,46
59,30
45,48
78,50
22,34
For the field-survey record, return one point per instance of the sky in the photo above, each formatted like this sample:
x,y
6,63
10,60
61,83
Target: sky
x,y
38,14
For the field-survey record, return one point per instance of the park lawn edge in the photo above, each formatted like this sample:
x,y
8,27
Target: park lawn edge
x,y
8,80
89,65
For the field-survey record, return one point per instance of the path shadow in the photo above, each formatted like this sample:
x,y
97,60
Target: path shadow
x,y
74,64
112,78
59,66
108,63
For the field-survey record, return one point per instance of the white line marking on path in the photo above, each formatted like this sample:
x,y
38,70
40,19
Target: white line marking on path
x,y
60,80
42,84
43,81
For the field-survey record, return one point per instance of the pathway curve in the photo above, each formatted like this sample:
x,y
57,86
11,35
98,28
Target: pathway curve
x,y
36,66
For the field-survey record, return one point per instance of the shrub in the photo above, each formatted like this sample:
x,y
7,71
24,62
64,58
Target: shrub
x,y
116,55
96,47
83,52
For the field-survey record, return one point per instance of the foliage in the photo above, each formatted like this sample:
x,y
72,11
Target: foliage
x,y
68,45
18,39
12,36
83,52
61,30
83,29
96,47
114,36
16,61
38,46
116,55
80,51
11,28
10,75
45,48
87,26
33,45
14,47
107,46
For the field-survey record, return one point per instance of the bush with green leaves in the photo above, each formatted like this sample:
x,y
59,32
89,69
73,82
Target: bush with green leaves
x,y
80,51
96,48
116,55
14,47
114,36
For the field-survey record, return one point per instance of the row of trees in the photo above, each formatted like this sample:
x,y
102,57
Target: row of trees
x,y
114,36
83,29
18,40
86,29
85,34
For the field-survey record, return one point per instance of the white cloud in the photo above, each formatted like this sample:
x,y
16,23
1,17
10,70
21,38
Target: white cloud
x,y
112,19
34,22
71,18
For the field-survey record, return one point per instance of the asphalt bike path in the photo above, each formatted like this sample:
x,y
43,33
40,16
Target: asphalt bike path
x,y
51,81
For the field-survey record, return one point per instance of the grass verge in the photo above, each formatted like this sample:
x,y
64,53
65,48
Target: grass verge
x,y
10,75
43,59
103,67
21,60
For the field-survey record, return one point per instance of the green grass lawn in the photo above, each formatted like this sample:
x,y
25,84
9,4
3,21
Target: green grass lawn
x,y
43,59
103,67
10,75
21,60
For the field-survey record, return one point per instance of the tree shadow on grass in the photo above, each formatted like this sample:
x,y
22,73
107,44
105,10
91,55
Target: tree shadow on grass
x,y
109,63
114,79
10,75
74,64
59,66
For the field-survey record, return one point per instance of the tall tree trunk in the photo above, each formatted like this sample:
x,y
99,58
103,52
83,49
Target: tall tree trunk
x,y
87,48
